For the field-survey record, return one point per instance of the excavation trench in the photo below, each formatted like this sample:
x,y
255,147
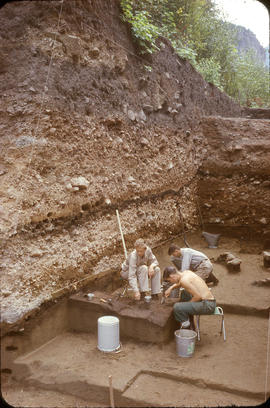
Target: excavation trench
x,y
109,134
56,350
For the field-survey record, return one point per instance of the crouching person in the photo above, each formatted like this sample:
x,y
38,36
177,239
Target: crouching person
x,y
140,266
196,298
196,261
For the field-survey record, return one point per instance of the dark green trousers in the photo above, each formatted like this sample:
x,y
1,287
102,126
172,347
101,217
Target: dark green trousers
x,y
183,309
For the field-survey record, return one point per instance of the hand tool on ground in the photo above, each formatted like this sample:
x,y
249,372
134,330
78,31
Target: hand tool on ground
x,y
125,290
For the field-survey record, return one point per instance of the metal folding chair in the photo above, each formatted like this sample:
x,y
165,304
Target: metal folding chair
x,y
218,311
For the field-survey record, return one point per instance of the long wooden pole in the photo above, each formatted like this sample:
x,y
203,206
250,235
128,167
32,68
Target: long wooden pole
x,y
121,232
111,392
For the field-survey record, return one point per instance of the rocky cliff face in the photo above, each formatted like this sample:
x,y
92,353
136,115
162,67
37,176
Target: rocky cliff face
x,y
88,126
247,40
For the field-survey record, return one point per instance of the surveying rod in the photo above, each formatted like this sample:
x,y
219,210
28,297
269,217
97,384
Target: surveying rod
x,y
124,246
121,232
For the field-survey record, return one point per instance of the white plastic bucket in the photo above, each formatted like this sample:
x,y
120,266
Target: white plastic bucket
x,y
108,333
185,342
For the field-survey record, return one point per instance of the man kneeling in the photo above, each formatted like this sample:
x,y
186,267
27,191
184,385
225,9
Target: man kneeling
x,y
196,299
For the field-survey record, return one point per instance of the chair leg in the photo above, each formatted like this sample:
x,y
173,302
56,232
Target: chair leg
x,y
221,327
198,326
224,332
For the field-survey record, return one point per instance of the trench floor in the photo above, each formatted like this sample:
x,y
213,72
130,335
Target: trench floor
x,y
235,290
70,370
219,373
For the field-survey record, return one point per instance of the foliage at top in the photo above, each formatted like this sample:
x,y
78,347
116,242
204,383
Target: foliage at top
x,y
198,33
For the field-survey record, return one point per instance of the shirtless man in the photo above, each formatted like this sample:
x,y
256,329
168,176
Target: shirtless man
x,y
196,299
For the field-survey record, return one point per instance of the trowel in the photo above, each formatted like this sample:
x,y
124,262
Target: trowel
x,y
162,300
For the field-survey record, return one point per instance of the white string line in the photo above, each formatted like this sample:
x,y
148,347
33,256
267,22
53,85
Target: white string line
x,y
41,106
267,361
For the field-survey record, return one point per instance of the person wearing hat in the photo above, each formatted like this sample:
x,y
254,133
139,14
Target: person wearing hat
x,y
140,267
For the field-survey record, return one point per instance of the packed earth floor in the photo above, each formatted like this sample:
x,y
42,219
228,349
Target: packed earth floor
x,y
69,370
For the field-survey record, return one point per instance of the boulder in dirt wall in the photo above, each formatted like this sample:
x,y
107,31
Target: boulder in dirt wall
x,y
81,182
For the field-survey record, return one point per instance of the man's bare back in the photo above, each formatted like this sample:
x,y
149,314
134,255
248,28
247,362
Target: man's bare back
x,y
195,286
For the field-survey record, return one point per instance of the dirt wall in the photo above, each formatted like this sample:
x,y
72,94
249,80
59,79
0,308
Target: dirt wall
x,y
234,185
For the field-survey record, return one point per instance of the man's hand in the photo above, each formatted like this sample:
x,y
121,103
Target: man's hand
x,y
137,295
167,292
151,271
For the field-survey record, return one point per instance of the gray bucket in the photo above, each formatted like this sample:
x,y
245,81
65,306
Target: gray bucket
x,y
211,239
185,342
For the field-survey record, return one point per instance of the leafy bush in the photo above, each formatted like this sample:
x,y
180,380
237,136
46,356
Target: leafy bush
x,y
211,71
143,30
253,81
197,32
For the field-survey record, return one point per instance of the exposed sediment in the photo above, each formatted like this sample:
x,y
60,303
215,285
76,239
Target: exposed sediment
x,y
234,186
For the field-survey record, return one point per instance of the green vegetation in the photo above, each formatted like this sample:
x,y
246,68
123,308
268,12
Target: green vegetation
x,y
198,33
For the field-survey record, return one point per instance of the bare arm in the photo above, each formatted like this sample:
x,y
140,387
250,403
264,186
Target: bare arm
x,y
174,286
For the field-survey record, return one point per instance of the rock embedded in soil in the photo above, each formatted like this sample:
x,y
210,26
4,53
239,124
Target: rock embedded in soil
x,y
36,253
140,116
80,182
234,265
263,221
262,282
6,293
148,108
266,259
94,52
144,141
131,115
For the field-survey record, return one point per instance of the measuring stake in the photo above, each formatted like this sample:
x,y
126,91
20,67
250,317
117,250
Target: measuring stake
x,y
121,232
111,392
